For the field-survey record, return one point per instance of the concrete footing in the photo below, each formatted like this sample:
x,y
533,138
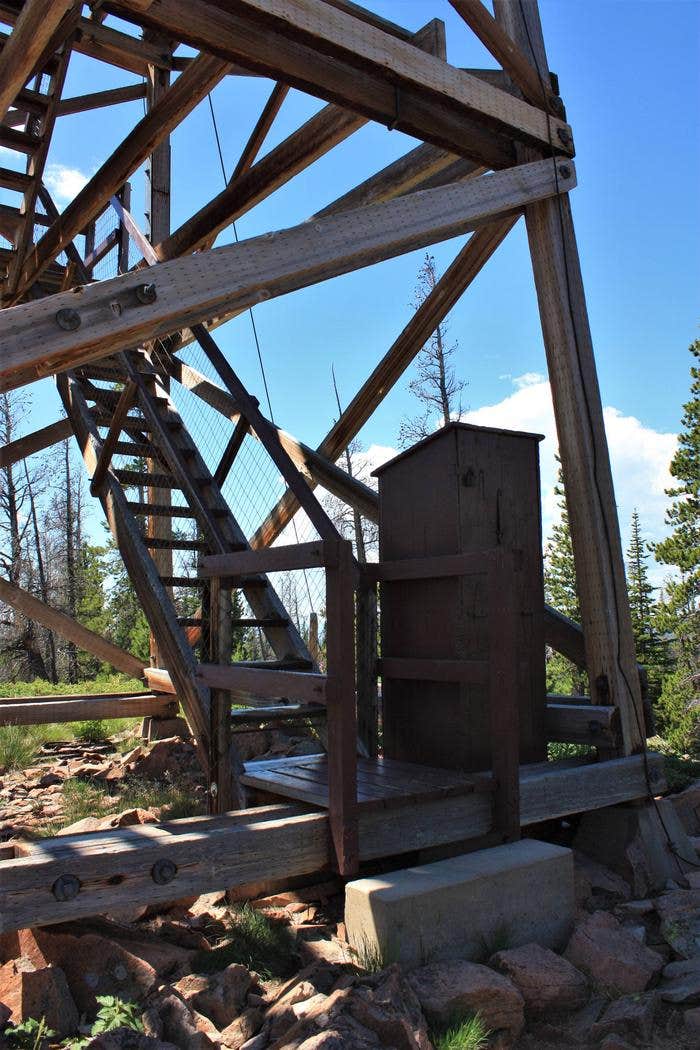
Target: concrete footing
x,y
466,907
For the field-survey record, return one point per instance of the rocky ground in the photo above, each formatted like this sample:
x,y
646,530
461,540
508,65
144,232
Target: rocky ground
x,y
277,973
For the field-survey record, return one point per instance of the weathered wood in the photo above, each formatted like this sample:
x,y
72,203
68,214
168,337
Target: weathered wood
x,y
34,442
100,99
342,712
32,711
578,410
305,43
159,679
591,724
423,323
258,681
503,691
240,274
431,567
70,629
114,868
274,559
172,108
366,653
35,27
259,132
127,399
503,48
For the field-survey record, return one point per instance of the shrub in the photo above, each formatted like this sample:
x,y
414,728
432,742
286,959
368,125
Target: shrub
x,y
255,941
92,732
468,1034
18,747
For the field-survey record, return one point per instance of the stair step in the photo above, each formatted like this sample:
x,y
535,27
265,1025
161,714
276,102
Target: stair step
x,y
156,510
143,478
181,581
20,141
14,180
268,621
254,716
137,449
165,544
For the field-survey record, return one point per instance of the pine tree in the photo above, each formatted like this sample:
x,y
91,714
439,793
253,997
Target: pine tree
x,y
436,385
643,610
561,592
679,610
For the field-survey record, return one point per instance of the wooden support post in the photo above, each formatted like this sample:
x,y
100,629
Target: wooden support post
x,y
503,696
222,794
158,177
126,401
366,664
340,700
36,25
123,252
595,533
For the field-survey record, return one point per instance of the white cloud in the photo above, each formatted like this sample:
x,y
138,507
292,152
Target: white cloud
x,y
64,183
640,455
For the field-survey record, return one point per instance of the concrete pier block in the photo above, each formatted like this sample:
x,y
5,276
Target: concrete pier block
x,y
466,907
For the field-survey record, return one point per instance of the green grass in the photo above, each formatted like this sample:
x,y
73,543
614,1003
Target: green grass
x,y
85,798
114,683
372,957
468,1034
18,747
254,940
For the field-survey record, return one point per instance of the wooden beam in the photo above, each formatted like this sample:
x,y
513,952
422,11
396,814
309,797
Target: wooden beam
x,y
112,317
187,91
564,636
35,442
114,868
275,559
46,710
100,99
578,411
306,42
589,724
126,401
436,307
258,681
326,129
259,132
35,27
70,629
504,50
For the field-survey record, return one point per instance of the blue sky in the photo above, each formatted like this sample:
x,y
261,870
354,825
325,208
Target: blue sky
x,y
629,77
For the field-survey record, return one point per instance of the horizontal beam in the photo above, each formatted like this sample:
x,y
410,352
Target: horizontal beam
x,y
317,48
590,724
273,559
114,869
474,672
25,446
258,681
564,635
70,629
99,99
433,568
111,316
37,711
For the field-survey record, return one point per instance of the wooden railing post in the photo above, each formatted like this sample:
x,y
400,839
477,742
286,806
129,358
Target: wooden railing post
x,y
503,695
221,773
366,664
342,714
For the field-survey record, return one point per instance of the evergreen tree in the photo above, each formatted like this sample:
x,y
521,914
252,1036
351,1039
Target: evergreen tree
x,y
679,611
649,646
436,385
561,592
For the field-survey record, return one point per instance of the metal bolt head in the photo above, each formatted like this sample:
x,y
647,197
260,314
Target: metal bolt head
x,y
163,872
68,319
66,887
565,171
563,136
146,293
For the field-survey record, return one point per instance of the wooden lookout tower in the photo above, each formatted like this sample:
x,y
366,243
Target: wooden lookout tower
x,y
428,693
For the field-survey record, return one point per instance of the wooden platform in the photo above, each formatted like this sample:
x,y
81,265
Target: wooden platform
x,y
380,781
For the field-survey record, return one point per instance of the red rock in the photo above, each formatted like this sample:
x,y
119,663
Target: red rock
x,y
220,996
612,957
171,755
127,1039
125,819
30,991
93,965
687,806
242,1029
691,1023
179,1025
448,989
547,982
631,1015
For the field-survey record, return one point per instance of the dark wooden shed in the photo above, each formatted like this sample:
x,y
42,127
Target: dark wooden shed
x,y
462,490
